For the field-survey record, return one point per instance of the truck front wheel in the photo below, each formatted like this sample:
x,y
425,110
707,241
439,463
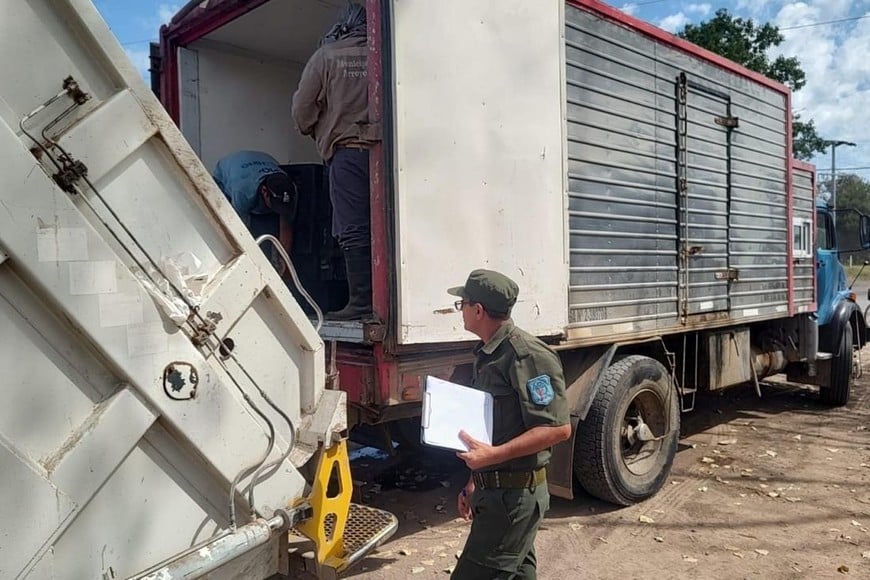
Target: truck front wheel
x,y
837,392
626,445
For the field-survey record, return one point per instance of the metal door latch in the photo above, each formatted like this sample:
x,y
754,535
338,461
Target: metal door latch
x,y
729,274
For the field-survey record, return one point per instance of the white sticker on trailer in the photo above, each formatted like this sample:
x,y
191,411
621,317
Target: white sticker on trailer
x,y
120,309
706,305
96,277
781,308
146,339
55,244
750,312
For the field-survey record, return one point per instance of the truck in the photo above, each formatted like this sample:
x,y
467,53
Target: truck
x,y
171,410
641,190
137,439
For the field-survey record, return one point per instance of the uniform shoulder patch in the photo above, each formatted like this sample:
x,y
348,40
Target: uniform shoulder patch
x,y
541,390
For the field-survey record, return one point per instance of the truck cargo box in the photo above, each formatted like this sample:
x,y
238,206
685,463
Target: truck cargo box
x,y
632,183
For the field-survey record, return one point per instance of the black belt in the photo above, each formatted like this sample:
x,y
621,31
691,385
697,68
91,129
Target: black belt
x,y
509,479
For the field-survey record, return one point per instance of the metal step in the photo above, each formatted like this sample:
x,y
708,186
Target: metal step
x,y
366,529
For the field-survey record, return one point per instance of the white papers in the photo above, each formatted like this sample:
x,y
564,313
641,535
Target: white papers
x,y
449,408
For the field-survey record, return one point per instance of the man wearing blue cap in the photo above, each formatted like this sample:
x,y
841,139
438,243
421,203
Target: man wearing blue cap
x,y
506,496
262,194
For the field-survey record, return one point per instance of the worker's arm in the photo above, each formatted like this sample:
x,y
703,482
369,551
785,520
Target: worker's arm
x,y
310,98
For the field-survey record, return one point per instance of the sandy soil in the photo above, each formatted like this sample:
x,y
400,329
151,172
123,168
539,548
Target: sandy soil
x,y
768,488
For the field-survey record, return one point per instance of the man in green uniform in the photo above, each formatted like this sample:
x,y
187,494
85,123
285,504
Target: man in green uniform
x,y
506,496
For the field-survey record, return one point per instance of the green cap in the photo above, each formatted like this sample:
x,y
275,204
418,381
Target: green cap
x,y
493,290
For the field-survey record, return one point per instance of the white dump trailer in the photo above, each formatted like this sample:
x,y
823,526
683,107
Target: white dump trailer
x,y
137,438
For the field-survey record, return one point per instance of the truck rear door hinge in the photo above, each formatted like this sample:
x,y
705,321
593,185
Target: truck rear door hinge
x,y
730,122
72,171
729,274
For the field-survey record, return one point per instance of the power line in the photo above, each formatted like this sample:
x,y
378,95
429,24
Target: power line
x,y
132,42
812,24
795,27
639,4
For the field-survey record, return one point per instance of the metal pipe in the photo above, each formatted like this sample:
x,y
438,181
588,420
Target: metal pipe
x,y
217,553
767,363
834,144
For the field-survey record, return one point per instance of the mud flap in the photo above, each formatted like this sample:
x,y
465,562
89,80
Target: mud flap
x,y
584,370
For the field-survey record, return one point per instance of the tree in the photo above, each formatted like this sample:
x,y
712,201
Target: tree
x,y
748,44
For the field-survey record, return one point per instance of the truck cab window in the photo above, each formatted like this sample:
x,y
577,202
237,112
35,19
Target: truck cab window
x,y
824,231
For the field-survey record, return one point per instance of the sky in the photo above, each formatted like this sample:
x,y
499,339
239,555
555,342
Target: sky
x,y
830,38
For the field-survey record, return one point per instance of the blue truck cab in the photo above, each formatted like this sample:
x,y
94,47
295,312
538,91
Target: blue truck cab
x,y
841,325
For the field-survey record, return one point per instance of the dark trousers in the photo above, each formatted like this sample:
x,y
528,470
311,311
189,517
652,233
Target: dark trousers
x,y
349,193
501,544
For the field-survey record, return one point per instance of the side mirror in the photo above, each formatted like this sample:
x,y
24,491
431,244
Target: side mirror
x,y
865,232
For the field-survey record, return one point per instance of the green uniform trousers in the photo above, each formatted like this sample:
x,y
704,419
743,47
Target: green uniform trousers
x,y
501,545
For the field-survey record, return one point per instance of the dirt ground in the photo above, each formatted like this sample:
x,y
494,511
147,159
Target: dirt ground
x,y
770,488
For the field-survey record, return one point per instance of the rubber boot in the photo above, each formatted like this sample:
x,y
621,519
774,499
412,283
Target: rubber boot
x,y
358,265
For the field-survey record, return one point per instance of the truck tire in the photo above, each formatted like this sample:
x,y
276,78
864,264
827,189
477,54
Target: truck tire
x,y
837,393
610,461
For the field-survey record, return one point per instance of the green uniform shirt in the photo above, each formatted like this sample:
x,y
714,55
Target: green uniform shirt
x,y
503,367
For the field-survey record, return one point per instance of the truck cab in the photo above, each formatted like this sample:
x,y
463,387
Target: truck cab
x,y
841,324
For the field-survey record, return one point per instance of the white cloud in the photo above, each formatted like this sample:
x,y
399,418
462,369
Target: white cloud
x,y
165,12
753,7
674,22
700,9
629,9
834,58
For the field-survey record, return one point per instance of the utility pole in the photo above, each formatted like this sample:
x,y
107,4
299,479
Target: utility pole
x,y
834,144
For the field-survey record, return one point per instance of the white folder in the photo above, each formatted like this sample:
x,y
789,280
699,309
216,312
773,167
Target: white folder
x,y
449,408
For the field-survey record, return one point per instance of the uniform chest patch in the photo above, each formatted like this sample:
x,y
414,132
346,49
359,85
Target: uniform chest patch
x,y
540,390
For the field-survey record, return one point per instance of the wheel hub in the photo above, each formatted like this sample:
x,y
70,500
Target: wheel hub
x,y
644,425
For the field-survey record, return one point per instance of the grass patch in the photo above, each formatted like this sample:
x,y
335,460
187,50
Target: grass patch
x,y
852,271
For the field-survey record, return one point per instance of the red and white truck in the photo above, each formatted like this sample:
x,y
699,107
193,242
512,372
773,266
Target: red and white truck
x,y
640,190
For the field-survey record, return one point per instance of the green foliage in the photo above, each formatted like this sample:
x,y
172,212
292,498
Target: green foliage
x,y
805,141
749,44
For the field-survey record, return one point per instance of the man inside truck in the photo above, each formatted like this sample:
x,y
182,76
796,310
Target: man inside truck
x,y
261,193
331,105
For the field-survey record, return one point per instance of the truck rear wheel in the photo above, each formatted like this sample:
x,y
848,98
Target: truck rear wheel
x,y
626,445
837,393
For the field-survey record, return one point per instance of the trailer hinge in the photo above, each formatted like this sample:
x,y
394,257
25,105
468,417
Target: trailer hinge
x,y
72,170
729,274
375,331
730,122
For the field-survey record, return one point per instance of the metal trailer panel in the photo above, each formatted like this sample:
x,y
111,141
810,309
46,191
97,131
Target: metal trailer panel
x,y
105,467
643,257
804,233
478,158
